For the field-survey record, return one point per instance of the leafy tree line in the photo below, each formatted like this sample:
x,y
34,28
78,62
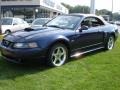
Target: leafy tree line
x,y
86,10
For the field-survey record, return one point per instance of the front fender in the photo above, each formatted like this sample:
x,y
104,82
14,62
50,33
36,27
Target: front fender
x,y
48,41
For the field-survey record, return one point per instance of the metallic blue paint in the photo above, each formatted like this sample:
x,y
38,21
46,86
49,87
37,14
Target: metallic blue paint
x,y
47,36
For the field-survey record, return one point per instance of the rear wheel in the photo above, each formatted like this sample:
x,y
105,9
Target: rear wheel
x,y
110,43
58,55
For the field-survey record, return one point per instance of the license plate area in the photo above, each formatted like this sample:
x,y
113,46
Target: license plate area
x,y
7,53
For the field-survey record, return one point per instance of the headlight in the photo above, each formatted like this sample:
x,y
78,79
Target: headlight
x,y
25,45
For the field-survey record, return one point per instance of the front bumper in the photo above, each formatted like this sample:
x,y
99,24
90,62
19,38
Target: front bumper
x,y
22,55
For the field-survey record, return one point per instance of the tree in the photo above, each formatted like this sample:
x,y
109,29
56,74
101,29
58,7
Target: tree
x,y
86,9
77,9
116,16
80,9
104,12
67,6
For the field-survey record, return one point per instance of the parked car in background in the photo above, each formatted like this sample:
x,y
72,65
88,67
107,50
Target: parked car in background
x,y
39,22
29,21
117,23
111,22
63,37
10,24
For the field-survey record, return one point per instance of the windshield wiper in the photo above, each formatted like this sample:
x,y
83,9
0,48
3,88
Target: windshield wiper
x,y
55,26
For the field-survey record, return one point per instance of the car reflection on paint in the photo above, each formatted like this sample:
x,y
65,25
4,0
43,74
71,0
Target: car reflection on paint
x,y
61,38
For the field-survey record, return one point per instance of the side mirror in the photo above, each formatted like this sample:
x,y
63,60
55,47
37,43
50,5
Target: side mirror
x,y
84,27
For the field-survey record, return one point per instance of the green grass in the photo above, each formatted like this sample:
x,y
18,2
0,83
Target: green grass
x,y
95,71
1,37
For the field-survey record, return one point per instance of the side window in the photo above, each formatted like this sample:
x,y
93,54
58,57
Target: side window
x,y
96,22
92,22
86,22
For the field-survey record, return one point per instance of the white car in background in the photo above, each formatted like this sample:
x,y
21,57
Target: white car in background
x,y
39,22
10,24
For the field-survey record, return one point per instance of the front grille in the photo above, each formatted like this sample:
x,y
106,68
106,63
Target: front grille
x,y
7,43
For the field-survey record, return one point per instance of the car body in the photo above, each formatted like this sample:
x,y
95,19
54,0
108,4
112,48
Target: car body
x,y
63,37
39,22
10,24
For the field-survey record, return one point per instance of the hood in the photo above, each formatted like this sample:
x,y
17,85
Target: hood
x,y
34,34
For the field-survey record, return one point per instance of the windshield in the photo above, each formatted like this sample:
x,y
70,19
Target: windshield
x,y
6,21
40,21
65,22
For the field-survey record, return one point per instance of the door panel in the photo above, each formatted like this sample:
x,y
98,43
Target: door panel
x,y
101,33
16,27
91,37
87,37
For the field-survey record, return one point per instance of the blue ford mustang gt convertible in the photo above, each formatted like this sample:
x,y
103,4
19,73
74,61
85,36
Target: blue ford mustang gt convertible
x,y
63,37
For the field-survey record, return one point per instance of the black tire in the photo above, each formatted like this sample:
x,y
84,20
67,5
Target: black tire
x,y
110,43
7,32
53,56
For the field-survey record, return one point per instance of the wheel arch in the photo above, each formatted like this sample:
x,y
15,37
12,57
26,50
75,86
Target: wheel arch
x,y
111,34
7,30
107,35
62,41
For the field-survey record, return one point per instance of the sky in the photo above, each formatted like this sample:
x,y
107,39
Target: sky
x,y
99,4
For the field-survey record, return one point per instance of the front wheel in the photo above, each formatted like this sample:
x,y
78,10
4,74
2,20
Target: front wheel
x,y
7,32
110,43
58,55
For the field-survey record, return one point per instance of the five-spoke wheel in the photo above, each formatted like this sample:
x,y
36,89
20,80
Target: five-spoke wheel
x,y
110,43
58,55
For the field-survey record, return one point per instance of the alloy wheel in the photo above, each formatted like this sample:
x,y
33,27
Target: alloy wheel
x,y
59,56
110,43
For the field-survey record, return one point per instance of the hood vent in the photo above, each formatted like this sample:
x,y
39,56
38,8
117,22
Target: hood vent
x,y
35,29
28,29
